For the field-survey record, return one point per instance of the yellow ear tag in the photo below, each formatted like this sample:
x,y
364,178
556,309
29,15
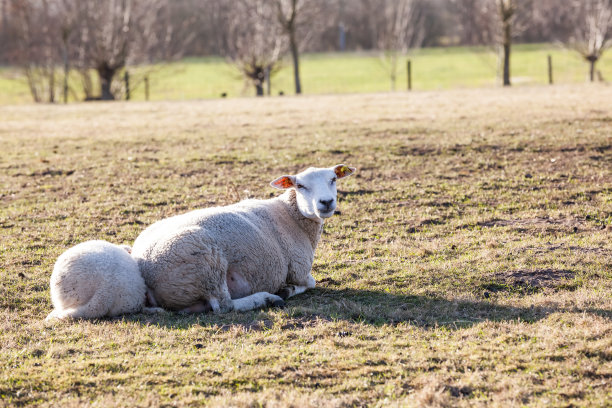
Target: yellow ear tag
x,y
342,171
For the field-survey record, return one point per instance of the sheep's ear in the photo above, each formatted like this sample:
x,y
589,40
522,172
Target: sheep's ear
x,y
283,182
342,170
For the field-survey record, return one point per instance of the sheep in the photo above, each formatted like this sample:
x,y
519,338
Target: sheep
x,y
244,256
96,279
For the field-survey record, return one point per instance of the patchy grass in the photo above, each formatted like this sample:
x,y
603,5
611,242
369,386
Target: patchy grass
x,y
471,263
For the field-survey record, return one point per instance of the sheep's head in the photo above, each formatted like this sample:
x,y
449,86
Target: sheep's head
x,y
315,189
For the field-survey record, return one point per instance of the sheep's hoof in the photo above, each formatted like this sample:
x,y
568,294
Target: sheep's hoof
x,y
279,303
195,308
152,310
284,293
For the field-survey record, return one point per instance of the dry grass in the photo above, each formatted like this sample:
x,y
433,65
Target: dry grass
x,y
471,263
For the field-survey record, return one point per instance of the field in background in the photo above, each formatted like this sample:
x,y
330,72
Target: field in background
x,y
471,264
433,68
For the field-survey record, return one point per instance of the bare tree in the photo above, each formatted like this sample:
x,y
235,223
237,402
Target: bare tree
x,y
506,10
254,41
500,28
299,20
86,35
473,21
551,21
593,30
3,11
4,29
497,23
400,27
288,12
114,33
509,18
32,29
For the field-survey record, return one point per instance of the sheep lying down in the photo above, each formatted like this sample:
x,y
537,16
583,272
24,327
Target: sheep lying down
x,y
97,279
243,256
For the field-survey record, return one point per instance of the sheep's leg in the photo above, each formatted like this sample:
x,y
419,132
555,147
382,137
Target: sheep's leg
x,y
150,299
251,302
296,286
288,291
257,301
152,310
199,307
223,302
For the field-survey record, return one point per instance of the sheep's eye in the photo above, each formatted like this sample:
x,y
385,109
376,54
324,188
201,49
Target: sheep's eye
x,y
332,180
301,186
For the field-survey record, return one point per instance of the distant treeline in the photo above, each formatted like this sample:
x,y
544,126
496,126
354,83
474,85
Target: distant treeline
x,y
355,24
349,24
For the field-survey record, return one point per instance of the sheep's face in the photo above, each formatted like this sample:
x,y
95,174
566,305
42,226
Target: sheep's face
x,y
315,189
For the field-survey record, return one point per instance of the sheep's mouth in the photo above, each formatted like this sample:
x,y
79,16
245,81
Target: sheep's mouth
x,y
326,214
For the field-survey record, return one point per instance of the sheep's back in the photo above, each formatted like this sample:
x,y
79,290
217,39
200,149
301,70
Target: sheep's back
x,y
95,266
239,237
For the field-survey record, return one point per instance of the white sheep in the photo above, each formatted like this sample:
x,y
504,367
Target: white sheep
x,y
236,257
95,279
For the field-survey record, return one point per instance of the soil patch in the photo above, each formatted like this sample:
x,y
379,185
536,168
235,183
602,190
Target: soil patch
x,y
542,223
537,279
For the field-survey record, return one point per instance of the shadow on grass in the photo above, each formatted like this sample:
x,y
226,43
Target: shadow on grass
x,y
378,308
364,306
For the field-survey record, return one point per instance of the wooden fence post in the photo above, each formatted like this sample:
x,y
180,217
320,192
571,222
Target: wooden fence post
x,y
146,81
126,78
409,68
550,70
65,86
66,72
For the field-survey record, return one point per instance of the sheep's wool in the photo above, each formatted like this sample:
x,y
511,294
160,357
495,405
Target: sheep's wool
x,y
95,279
216,254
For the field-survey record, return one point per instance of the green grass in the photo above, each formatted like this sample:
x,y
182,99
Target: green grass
x,y
433,68
470,264
13,87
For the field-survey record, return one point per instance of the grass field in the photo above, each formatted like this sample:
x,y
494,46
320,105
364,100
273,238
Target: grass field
x,y
433,68
471,264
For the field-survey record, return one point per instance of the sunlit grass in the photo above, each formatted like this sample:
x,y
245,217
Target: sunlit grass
x,y
432,68
470,264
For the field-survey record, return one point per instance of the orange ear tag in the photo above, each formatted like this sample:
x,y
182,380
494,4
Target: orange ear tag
x,y
285,182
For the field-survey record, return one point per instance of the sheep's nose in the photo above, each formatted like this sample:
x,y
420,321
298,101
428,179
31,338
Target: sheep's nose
x,y
327,203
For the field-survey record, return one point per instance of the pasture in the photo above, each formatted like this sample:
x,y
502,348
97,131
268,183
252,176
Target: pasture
x,y
351,72
470,264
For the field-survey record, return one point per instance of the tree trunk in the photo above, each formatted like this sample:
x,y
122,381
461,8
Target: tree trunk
x,y
507,65
296,64
51,84
258,88
258,76
32,84
393,69
4,18
507,43
66,71
592,62
106,75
